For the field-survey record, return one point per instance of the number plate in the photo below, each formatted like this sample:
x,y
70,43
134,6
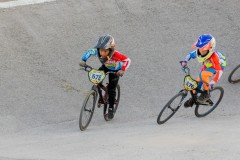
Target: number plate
x,y
96,76
189,83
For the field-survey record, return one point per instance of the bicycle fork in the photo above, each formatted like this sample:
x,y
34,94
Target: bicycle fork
x,y
185,92
102,99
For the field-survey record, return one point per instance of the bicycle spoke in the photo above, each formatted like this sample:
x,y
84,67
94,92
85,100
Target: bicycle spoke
x,y
89,110
171,108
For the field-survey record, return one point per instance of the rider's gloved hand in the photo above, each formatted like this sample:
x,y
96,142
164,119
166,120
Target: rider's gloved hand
x,y
120,73
211,84
82,63
183,63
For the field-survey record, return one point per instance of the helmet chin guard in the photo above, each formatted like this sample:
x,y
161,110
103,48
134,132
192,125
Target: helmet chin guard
x,y
203,58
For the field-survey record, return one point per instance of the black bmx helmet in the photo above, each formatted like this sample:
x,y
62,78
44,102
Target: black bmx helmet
x,y
106,42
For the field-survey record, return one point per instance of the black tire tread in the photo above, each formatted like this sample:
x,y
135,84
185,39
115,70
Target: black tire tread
x,y
232,73
81,126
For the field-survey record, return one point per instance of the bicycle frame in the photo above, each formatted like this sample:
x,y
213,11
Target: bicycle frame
x,y
103,99
98,86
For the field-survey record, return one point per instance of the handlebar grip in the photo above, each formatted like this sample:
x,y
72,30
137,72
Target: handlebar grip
x,y
86,68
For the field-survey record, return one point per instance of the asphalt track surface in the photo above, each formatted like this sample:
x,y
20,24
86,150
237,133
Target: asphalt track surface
x,y
42,89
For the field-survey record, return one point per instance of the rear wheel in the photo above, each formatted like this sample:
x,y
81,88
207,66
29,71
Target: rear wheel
x,y
234,76
215,99
170,108
117,99
87,110
116,103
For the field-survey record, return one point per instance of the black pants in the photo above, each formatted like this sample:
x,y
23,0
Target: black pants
x,y
112,85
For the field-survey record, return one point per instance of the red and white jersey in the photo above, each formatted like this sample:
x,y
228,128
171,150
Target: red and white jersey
x,y
118,61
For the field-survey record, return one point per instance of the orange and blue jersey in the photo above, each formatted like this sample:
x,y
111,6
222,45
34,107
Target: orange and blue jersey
x,y
215,64
118,61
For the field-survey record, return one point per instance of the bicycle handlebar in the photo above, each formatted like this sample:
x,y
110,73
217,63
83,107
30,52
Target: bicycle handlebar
x,y
186,70
88,68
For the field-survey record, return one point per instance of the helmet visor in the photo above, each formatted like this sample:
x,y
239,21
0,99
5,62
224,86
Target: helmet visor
x,y
203,48
206,47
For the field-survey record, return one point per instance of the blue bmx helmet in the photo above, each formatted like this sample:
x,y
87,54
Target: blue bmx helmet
x,y
206,42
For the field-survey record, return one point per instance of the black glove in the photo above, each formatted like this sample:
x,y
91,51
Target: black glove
x,y
120,73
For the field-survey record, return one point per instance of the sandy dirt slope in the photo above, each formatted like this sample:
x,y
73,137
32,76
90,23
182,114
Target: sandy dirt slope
x,y
42,89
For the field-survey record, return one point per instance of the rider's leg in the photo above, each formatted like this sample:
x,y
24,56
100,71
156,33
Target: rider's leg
x,y
113,82
188,103
205,77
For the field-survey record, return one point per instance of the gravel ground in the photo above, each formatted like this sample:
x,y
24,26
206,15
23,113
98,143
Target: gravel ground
x,y
42,89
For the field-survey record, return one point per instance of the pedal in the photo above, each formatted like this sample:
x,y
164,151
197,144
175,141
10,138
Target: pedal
x,y
210,102
207,102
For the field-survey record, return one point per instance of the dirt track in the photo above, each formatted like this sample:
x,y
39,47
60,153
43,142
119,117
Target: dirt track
x,y
42,89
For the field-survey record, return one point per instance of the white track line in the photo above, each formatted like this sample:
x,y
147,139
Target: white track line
x,y
16,3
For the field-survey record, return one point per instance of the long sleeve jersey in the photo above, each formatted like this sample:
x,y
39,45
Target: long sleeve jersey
x,y
217,62
118,61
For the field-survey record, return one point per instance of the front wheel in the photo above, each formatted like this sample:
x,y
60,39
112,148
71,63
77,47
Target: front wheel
x,y
116,103
170,108
215,99
234,76
87,110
